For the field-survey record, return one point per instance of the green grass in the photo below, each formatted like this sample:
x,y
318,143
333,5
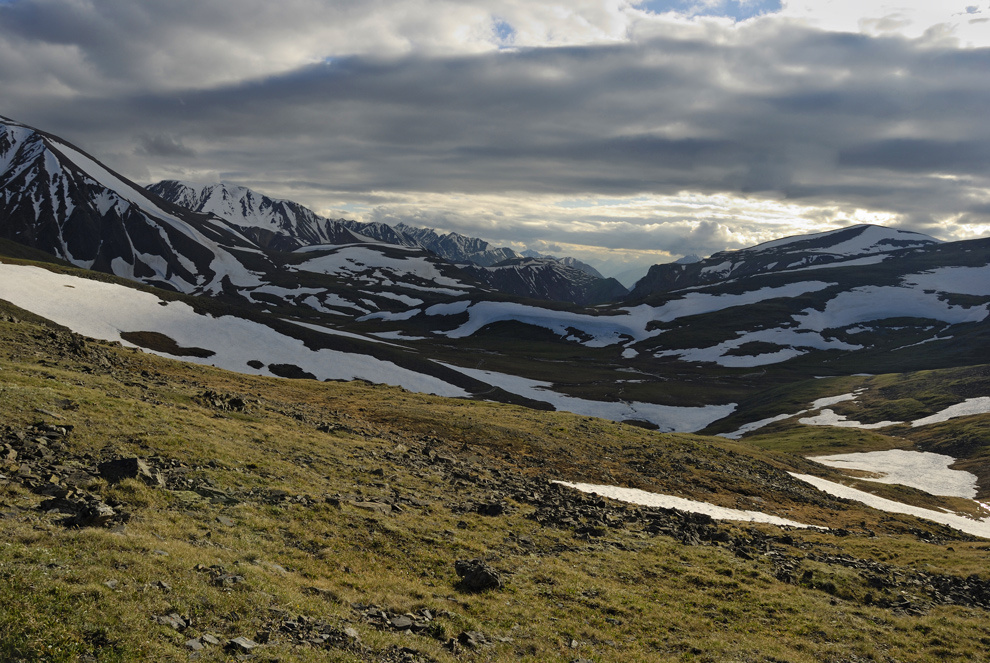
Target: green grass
x,y
627,595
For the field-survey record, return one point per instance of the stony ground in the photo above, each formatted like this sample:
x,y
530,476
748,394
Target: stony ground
x,y
156,511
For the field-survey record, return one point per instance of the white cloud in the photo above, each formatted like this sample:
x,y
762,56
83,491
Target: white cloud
x,y
908,18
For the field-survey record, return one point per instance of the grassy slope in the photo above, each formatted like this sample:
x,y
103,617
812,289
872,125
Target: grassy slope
x,y
624,595
900,397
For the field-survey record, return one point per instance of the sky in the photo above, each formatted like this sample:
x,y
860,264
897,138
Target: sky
x,y
622,132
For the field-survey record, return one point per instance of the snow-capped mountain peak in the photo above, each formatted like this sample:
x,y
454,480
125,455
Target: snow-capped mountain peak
x,y
858,240
61,200
273,223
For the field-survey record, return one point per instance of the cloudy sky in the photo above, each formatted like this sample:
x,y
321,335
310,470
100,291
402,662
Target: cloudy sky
x,y
622,132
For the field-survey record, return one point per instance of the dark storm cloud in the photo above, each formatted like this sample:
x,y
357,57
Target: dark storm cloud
x,y
768,109
921,156
163,146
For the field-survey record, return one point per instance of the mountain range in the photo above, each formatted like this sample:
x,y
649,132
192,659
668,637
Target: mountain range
x,y
221,240
682,351
286,226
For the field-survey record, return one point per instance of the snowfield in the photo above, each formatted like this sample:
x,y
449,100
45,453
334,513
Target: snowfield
x,y
917,469
104,310
349,259
967,408
879,302
954,520
668,417
645,498
962,280
793,343
828,417
755,425
919,296
611,329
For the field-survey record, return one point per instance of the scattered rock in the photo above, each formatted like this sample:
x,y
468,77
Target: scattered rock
x,y
472,639
173,620
401,622
223,402
119,469
93,513
241,645
477,576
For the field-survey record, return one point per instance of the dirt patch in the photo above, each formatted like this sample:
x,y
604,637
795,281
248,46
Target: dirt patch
x,y
161,343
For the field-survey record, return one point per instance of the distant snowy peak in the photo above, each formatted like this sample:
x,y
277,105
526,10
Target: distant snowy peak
x,y
566,260
864,239
549,279
272,223
381,232
56,198
454,247
852,246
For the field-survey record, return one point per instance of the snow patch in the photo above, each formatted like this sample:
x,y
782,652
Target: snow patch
x,y
668,418
349,259
791,340
832,400
961,280
611,329
645,498
829,418
104,310
967,408
755,425
962,523
917,469
878,302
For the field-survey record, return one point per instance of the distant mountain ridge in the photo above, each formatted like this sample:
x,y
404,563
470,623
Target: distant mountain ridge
x,y
452,246
55,198
287,226
282,225
550,279
566,260
867,243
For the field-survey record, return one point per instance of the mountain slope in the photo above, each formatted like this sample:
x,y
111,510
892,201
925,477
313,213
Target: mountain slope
x,y
450,246
549,279
866,244
286,226
281,225
60,200
566,260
